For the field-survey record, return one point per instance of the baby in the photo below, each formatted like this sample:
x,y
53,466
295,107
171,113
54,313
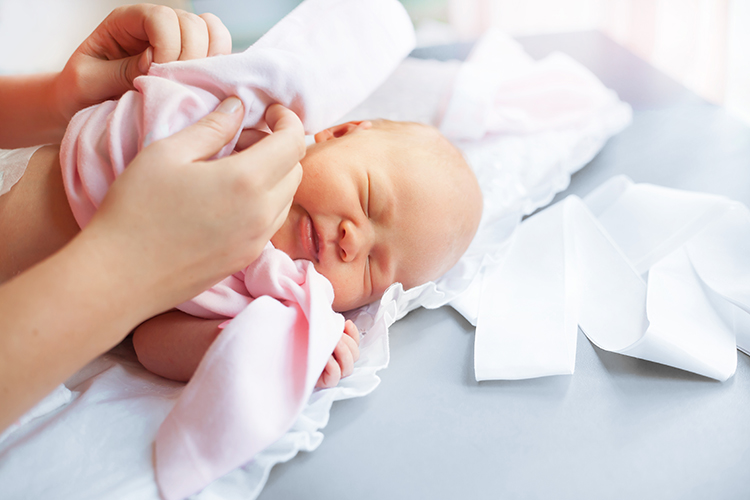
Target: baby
x,y
380,202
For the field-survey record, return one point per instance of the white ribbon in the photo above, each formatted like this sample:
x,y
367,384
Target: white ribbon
x,y
646,271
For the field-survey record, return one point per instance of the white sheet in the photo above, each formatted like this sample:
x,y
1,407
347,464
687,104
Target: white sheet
x,y
13,164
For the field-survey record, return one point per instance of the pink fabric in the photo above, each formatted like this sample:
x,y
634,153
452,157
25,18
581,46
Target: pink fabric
x,y
320,61
255,378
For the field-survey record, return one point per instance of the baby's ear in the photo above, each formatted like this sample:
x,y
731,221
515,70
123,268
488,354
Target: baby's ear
x,y
341,130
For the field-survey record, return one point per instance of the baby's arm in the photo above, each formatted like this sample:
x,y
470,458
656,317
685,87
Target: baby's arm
x,y
172,345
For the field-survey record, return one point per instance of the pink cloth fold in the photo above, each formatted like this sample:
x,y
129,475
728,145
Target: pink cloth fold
x,y
320,61
255,378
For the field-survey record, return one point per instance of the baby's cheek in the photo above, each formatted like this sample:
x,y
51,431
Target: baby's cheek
x,y
345,296
348,287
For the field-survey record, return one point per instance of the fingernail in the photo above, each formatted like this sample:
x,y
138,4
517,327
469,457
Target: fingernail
x,y
229,106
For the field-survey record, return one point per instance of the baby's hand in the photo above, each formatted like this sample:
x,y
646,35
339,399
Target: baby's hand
x,y
341,362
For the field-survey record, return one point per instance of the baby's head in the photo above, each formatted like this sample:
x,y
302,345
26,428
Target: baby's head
x,y
381,202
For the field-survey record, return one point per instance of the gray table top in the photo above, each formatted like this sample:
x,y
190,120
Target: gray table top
x,y
619,428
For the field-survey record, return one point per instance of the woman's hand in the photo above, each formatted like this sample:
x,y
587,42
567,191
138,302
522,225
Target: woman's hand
x,y
171,226
36,109
125,44
184,223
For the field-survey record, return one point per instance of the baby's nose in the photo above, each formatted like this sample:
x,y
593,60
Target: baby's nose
x,y
353,240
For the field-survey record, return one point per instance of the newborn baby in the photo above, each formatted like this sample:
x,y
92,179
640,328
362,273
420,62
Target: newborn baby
x,y
380,202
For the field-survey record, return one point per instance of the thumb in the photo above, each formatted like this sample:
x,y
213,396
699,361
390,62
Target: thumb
x,y
207,136
123,72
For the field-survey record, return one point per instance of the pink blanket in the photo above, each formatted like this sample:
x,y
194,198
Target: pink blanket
x,y
320,61
257,375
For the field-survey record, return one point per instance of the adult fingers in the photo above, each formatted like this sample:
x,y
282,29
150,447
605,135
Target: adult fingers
x,y
193,34
278,199
157,24
206,137
248,137
279,117
110,79
123,46
280,151
282,215
219,39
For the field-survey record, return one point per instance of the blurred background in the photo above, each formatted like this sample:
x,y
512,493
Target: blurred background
x,y
703,44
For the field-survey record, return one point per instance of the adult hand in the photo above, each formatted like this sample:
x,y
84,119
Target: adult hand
x,y
125,44
183,223
171,225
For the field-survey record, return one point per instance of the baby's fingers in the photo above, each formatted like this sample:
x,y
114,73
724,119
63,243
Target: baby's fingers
x,y
330,376
351,330
344,355
351,346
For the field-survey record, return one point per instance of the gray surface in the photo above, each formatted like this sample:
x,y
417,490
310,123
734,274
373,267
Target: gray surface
x,y
619,428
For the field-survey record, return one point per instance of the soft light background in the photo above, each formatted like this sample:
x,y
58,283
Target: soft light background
x,y
40,35
704,44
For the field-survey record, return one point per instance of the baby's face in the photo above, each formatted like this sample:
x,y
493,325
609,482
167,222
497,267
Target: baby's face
x,y
370,212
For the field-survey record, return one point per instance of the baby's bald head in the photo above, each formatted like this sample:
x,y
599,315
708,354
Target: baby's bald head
x,y
451,197
381,202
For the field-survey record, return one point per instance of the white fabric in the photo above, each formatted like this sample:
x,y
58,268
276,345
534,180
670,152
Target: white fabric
x,y
13,163
566,267
521,162
120,405
60,396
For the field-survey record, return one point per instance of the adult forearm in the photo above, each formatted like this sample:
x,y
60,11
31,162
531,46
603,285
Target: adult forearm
x,y
153,244
59,315
28,115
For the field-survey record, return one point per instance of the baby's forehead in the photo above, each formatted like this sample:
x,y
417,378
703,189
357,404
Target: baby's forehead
x,y
416,149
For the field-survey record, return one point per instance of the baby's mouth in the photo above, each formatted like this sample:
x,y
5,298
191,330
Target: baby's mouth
x,y
310,239
316,241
